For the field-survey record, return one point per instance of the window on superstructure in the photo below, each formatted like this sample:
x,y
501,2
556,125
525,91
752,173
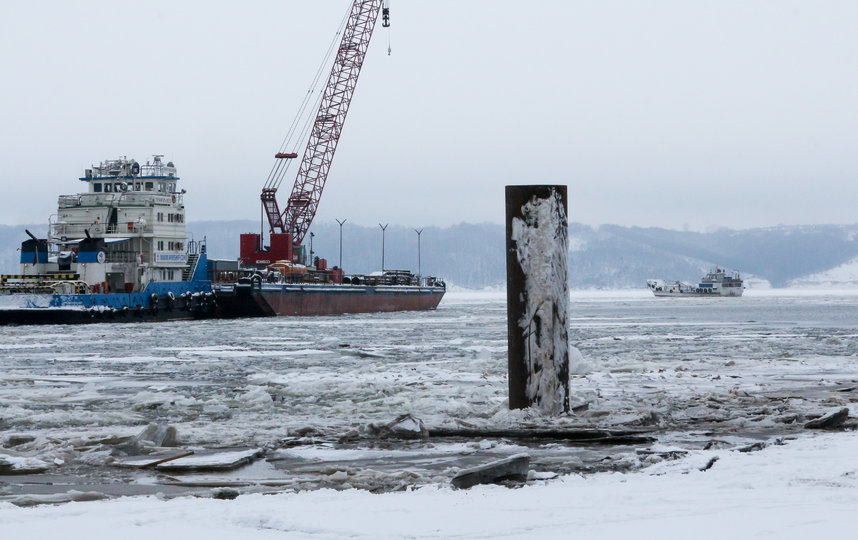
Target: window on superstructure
x,y
108,187
138,186
162,187
160,245
96,187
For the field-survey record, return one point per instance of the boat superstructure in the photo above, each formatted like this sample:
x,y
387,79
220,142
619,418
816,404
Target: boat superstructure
x,y
132,214
118,247
717,282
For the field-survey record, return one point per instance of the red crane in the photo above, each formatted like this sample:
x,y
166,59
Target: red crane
x,y
325,133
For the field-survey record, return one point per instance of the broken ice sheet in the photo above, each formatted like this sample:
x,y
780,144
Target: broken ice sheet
x,y
735,370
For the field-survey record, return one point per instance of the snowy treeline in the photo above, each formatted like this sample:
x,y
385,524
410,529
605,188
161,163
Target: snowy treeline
x,y
610,256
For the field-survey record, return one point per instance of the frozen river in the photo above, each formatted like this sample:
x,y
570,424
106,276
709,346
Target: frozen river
x,y
303,391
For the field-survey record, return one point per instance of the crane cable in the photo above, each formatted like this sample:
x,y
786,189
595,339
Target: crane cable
x,y
278,171
280,168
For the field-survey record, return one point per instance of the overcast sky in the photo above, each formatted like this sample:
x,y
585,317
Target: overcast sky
x,y
681,114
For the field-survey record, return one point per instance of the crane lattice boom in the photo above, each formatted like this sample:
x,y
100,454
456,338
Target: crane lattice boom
x,y
327,127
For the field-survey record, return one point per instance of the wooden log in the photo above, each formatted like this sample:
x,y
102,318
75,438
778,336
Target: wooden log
x,y
581,436
165,460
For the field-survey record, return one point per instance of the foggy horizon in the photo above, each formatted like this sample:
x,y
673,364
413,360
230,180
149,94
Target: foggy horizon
x,y
676,115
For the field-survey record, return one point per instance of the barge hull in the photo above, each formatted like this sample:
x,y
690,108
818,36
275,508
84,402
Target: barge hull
x,y
75,316
191,303
310,300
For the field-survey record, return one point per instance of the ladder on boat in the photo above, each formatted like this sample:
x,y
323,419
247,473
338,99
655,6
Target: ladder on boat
x,y
188,270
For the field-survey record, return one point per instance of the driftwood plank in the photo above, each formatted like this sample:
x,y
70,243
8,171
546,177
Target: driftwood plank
x,y
582,436
165,460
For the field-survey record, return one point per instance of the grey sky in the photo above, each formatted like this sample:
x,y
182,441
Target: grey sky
x,y
668,113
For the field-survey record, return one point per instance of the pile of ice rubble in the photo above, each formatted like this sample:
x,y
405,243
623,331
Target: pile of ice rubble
x,y
394,456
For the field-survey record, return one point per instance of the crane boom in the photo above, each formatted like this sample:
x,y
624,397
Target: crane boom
x,y
327,127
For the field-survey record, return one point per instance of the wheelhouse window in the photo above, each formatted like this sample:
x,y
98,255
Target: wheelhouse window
x,y
108,187
138,186
96,187
150,186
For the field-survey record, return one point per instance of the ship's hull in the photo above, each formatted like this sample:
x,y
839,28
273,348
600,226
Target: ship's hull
x,y
715,284
163,301
271,300
77,316
722,294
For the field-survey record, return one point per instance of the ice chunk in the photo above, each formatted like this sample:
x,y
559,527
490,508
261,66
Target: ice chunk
x,y
513,467
219,461
21,465
832,420
408,427
157,435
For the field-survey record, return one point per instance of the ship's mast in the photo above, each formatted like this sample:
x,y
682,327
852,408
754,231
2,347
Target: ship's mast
x,y
327,127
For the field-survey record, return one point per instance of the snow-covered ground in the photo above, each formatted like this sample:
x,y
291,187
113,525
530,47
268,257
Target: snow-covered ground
x,y
843,276
711,377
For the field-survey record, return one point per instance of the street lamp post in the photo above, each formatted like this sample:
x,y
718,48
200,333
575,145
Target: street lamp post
x,y
419,273
311,249
341,241
383,228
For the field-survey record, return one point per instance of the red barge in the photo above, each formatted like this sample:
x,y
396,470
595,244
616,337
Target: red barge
x,y
271,281
307,299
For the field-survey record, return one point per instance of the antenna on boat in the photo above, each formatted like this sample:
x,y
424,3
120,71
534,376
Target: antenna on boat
x,y
383,228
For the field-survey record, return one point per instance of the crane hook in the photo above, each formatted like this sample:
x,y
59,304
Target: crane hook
x,y
385,21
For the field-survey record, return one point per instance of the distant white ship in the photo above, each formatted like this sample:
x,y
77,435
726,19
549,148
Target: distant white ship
x,y
715,283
